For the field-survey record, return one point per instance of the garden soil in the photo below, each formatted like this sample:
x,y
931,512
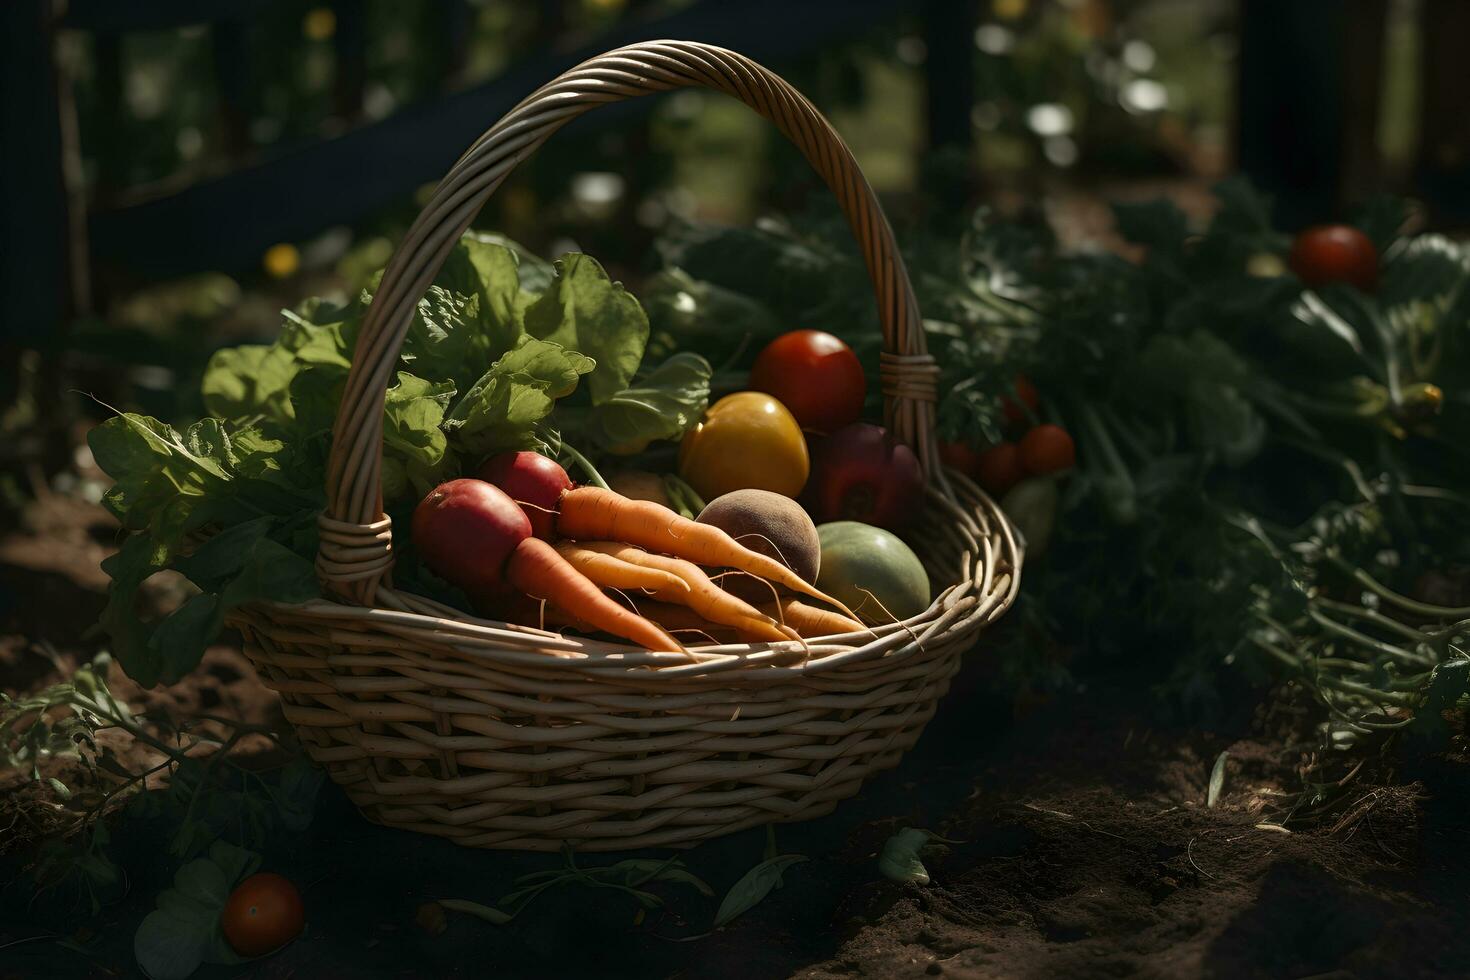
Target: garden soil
x,y
1084,847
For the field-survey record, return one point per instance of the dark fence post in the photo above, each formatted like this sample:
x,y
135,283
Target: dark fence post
x,y
349,44
1442,170
1362,81
231,60
1291,128
43,256
109,142
949,69
455,28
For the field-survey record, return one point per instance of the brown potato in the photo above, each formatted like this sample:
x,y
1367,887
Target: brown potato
x,y
772,525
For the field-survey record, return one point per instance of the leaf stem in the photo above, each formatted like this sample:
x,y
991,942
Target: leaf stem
x,y
592,475
1402,601
1373,616
1396,654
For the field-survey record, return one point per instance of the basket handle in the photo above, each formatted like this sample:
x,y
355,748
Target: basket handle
x,y
356,537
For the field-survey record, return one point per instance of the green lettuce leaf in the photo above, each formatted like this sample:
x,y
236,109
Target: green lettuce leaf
x,y
490,272
583,310
160,475
255,379
252,379
413,412
241,564
660,405
139,558
445,339
170,485
501,410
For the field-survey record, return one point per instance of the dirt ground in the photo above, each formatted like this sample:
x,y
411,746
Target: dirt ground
x,y
1085,849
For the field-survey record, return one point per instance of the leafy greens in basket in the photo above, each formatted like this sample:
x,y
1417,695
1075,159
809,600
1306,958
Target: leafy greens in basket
x,y
504,352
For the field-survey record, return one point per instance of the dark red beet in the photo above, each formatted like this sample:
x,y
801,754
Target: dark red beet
x,y
466,530
533,481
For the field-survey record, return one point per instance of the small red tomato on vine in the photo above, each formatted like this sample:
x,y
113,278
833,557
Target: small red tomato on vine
x,y
1334,253
1000,468
1029,396
960,456
1047,449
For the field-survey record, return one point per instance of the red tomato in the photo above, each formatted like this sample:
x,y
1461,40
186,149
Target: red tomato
x,y
262,914
815,375
1000,468
960,456
1047,449
1028,394
1335,253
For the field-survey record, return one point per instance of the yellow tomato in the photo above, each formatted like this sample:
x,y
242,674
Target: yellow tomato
x,y
747,440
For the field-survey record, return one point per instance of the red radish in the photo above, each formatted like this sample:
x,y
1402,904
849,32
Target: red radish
x,y
466,531
534,482
861,473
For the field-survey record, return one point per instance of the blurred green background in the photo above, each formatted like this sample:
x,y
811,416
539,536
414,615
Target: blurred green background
x,y
177,172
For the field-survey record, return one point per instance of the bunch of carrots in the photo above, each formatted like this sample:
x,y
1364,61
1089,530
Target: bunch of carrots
x,y
522,540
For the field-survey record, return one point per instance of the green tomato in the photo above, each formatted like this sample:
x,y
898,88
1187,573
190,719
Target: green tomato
x,y
1032,507
872,572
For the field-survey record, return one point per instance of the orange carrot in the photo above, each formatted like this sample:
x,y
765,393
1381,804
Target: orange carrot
x,y
681,619
700,594
595,514
808,620
536,569
611,572
690,627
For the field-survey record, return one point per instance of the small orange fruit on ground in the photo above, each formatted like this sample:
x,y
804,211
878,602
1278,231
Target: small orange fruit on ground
x,y
262,914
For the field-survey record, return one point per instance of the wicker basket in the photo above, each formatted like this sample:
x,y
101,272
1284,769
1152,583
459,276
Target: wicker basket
x,y
507,737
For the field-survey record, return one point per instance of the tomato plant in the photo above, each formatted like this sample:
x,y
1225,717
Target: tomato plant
x,y
1335,253
1047,449
815,375
262,914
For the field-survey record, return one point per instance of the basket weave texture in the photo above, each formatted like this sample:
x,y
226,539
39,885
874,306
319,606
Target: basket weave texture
x,y
501,736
